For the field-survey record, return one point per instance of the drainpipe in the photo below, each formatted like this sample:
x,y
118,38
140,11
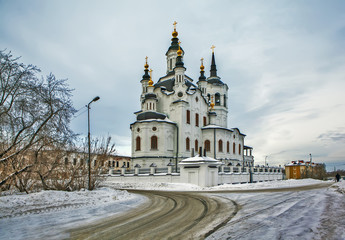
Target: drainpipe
x,y
214,139
176,160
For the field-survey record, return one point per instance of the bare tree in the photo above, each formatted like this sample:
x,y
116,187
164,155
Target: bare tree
x,y
34,114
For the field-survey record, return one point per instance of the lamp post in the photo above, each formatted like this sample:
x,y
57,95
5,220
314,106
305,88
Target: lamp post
x,y
89,141
265,160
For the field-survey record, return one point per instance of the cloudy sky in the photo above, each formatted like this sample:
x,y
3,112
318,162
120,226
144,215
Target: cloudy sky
x,y
284,62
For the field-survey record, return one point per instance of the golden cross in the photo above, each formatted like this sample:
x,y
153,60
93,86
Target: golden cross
x,y
179,43
213,47
146,59
151,72
202,61
175,25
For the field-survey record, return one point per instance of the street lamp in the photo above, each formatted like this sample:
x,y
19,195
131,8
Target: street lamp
x,y
88,136
265,160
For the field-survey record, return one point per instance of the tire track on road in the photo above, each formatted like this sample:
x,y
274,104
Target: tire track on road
x,y
166,215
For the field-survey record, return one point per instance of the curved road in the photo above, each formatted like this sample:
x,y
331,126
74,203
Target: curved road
x,y
166,215
171,215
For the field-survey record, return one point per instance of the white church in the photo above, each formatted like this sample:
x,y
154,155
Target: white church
x,y
181,117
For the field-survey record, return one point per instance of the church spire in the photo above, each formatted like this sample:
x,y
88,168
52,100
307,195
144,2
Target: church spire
x,y
179,62
213,64
146,75
174,41
202,72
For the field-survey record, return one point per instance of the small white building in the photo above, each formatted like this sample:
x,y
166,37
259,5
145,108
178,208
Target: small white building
x,y
201,171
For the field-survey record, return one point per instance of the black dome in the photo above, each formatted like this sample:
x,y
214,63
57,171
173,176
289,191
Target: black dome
x,y
150,115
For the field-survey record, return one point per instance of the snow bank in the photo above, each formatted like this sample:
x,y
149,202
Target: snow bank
x,y
192,187
18,204
339,186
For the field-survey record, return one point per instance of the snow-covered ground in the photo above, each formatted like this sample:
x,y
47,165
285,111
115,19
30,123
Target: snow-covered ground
x,y
48,214
286,215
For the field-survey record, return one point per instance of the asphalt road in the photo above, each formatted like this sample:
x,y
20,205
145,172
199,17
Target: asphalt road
x,y
166,215
172,215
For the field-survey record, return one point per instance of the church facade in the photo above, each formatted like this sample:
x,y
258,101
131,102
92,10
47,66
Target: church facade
x,y
180,116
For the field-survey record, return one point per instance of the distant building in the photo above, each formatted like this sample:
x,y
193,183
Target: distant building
x,y
301,169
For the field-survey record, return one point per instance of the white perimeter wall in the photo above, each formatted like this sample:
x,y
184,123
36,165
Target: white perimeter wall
x,y
223,178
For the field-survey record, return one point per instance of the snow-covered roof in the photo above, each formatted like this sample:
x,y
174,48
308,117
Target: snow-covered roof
x,y
200,160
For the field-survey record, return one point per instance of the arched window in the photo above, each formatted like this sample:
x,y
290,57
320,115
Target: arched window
x,y
188,116
234,148
217,99
207,145
220,146
225,100
66,161
154,143
117,163
205,121
197,119
196,143
239,149
228,147
137,144
113,164
187,144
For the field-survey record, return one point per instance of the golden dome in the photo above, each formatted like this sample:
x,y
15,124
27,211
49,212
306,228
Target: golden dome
x,y
212,105
150,81
174,34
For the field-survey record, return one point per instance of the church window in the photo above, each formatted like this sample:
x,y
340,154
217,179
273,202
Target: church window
x,y
94,163
154,129
187,144
234,148
197,99
205,121
137,144
74,161
180,94
128,164
227,146
150,106
220,146
188,116
170,64
207,145
138,129
66,161
197,119
154,143
217,99
225,100
196,145
239,149
113,164
117,163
